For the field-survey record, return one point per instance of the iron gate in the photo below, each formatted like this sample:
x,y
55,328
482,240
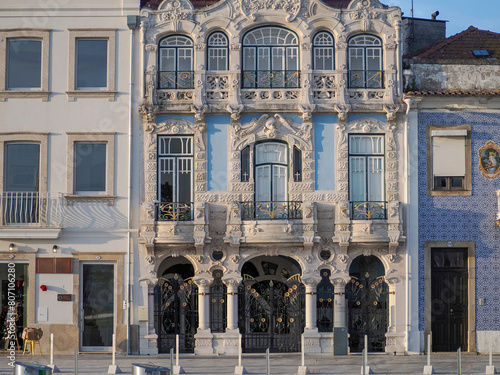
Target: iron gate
x,y
367,299
271,314
176,313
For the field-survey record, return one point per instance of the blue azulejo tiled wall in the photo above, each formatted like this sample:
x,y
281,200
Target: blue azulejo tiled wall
x,y
469,218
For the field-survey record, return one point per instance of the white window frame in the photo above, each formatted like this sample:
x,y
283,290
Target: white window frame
x,y
104,196
109,91
41,92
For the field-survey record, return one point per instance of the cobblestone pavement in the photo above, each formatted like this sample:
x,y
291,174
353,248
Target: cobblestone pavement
x,y
285,364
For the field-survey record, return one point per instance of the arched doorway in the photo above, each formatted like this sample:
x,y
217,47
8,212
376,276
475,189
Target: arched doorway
x,y
176,305
271,305
367,294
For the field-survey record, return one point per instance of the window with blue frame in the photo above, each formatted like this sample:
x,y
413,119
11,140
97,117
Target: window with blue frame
x,y
365,62
175,62
271,58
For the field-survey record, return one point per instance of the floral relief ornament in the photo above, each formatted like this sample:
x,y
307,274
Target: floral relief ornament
x,y
489,160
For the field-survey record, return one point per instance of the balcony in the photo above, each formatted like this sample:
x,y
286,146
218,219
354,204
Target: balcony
x,y
271,210
366,79
368,210
21,211
172,211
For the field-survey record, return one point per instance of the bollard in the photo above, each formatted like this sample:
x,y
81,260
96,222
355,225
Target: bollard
x,y
459,361
490,369
302,347
113,368
177,369
303,370
239,370
365,368
76,361
268,372
171,359
54,368
428,369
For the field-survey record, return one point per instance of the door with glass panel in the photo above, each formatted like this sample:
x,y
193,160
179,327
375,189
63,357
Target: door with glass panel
x,y
271,176
20,199
366,176
97,315
175,175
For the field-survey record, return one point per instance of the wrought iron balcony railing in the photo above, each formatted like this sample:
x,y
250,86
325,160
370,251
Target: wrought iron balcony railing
x,y
172,211
29,208
176,80
271,79
271,210
368,210
366,79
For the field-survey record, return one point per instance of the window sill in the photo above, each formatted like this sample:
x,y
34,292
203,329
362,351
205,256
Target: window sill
x,y
24,94
110,95
444,193
71,199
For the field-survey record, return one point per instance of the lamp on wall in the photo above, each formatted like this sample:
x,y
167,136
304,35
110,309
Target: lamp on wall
x,y
12,247
54,249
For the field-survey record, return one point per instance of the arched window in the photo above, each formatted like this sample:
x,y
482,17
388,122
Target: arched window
x,y
175,61
365,62
218,51
270,58
323,51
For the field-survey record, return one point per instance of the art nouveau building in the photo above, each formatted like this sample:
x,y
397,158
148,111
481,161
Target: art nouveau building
x,y
273,194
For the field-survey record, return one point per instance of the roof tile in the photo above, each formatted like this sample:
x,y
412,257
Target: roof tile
x,y
459,47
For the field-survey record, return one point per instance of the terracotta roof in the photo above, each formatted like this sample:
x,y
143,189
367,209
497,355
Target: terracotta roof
x,y
153,4
457,92
458,48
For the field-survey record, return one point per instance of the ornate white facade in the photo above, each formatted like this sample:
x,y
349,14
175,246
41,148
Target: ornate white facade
x,y
222,112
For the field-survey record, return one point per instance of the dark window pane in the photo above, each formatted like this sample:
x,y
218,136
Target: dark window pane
x,y
90,167
22,166
440,183
167,186
457,182
24,63
297,164
449,258
91,63
245,164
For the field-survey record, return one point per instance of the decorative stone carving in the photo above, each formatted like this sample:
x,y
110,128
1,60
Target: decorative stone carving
x,y
267,127
343,258
251,8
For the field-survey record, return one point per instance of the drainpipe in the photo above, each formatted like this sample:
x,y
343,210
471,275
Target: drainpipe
x,y
132,24
407,172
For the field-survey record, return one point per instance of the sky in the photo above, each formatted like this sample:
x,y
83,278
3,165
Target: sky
x,y
460,14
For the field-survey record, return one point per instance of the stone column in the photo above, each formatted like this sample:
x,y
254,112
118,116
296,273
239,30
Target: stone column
x,y
395,342
203,336
311,334
232,329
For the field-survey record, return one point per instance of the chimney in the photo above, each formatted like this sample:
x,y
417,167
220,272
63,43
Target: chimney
x,y
434,15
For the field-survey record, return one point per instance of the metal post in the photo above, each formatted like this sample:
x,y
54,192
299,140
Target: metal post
x,y
366,350
76,361
303,354
239,350
51,348
459,361
428,350
172,360
177,350
268,372
114,350
364,362
491,352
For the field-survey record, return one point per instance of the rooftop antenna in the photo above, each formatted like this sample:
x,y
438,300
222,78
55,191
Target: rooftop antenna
x,y
412,27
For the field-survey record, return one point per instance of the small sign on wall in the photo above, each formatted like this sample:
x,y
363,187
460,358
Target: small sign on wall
x,y
64,297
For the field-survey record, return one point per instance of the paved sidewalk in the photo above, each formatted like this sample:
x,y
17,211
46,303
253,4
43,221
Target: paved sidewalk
x,y
281,364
